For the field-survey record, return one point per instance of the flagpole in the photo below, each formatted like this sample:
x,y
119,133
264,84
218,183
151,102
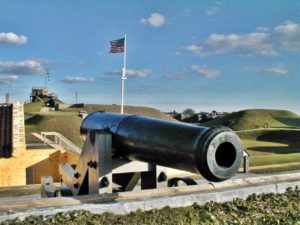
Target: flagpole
x,y
123,78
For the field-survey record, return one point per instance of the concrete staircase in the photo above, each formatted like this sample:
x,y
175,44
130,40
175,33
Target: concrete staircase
x,y
58,141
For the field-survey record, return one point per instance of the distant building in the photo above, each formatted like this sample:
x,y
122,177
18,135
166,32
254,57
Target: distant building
x,y
38,94
185,116
200,117
41,94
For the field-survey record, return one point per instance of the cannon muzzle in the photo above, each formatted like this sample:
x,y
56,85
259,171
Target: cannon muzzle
x,y
213,152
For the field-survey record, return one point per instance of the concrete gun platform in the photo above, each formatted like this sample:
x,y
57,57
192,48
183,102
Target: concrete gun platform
x,y
126,202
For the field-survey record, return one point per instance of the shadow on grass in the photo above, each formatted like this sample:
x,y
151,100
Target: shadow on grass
x,y
293,122
36,119
276,150
289,137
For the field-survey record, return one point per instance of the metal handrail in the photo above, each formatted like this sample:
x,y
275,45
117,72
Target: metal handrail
x,y
62,141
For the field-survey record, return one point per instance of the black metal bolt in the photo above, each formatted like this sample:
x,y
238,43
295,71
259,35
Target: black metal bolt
x,y
162,177
94,165
104,182
77,175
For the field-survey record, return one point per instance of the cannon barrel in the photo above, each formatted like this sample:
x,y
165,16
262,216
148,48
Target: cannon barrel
x,y
213,152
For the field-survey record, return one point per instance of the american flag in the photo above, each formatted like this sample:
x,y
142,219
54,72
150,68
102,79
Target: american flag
x,y
117,46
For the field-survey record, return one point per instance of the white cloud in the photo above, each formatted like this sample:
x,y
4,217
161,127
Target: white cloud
x,y
27,67
155,19
138,73
77,79
289,35
264,42
276,69
216,7
80,62
262,29
212,10
8,79
194,49
203,71
177,53
12,38
133,73
270,52
257,42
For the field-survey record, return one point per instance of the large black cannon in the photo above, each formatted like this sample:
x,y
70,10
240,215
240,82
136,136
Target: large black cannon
x,y
213,152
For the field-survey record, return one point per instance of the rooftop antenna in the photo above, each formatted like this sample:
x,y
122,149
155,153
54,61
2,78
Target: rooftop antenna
x,y
47,77
7,98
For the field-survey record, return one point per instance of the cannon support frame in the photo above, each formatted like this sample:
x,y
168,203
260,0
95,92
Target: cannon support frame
x,y
97,171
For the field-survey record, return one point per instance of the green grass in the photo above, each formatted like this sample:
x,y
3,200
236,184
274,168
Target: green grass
x,y
257,148
138,110
67,122
274,159
261,142
33,107
281,135
256,209
20,192
58,113
268,147
275,169
256,118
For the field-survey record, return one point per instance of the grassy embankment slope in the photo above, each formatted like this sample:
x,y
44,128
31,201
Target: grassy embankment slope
x,y
278,144
257,118
275,145
67,122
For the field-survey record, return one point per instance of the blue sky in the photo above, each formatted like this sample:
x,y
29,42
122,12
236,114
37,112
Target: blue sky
x,y
206,55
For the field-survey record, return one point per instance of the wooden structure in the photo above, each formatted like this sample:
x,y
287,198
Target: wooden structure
x,y
28,166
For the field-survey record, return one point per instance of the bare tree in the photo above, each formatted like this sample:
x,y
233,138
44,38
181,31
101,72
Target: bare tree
x,y
188,111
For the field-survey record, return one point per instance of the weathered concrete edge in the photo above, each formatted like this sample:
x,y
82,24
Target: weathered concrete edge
x,y
124,207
